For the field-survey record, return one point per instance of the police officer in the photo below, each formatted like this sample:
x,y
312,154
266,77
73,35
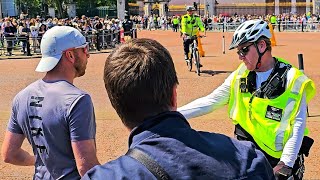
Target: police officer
x,y
127,26
273,20
190,25
175,23
267,100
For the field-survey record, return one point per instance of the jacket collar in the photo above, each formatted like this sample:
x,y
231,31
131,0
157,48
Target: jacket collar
x,y
151,125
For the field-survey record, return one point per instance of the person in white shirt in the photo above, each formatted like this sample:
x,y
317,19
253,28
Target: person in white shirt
x,y
267,100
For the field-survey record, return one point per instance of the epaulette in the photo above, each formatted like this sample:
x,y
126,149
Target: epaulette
x,y
196,16
185,16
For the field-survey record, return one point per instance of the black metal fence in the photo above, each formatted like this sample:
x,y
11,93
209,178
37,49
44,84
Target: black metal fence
x,y
26,45
288,26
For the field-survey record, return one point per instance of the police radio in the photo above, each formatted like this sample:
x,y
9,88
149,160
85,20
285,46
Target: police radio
x,y
273,83
271,86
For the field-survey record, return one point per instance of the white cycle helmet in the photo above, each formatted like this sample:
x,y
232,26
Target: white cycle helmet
x,y
190,8
250,31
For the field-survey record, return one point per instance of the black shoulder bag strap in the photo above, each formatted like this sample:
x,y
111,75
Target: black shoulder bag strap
x,y
149,163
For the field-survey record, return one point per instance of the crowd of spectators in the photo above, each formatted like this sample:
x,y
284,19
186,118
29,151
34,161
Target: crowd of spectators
x,y
285,19
17,31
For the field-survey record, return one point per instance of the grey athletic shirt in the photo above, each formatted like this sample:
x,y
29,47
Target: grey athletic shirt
x,y
51,115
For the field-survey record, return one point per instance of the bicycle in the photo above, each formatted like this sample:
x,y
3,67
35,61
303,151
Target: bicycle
x,y
194,54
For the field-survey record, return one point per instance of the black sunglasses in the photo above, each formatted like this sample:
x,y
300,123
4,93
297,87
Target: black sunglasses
x,y
244,51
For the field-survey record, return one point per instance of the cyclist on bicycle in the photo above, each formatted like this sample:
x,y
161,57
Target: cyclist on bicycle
x,y
190,25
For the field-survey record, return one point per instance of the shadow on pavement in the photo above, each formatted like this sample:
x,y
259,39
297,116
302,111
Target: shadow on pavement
x,y
211,56
212,73
314,115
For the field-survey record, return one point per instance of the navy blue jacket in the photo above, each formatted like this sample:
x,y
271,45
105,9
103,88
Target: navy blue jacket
x,y
186,154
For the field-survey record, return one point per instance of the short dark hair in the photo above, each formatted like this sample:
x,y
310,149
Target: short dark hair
x,y
139,77
268,42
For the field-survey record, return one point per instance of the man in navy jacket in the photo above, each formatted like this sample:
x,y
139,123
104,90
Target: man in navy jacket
x,y
141,82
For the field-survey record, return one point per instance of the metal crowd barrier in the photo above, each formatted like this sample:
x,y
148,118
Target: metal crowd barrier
x,y
18,45
27,45
106,39
309,26
102,39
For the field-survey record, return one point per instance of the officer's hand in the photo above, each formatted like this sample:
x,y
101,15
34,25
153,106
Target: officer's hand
x,y
282,171
184,35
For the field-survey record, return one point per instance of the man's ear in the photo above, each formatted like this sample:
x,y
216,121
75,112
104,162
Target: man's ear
x,y
70,56
262,46
174,99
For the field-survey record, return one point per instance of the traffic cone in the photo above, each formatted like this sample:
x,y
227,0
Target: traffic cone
x,y
201,51
122,35
273,38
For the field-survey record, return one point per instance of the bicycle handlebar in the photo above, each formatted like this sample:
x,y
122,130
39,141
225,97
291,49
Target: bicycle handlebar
x,y
190,37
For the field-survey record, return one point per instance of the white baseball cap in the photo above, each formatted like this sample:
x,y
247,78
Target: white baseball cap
x,y
54,42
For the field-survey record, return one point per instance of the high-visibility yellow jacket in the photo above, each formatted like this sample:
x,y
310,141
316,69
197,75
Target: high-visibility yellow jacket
x,y
175,21
269,121
191,24
273,19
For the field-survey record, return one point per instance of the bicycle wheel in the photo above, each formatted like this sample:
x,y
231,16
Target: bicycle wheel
x,y
189,64
197,61
189,61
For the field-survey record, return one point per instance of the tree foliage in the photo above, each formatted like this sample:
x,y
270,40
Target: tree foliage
x,y
105,2
28,6
87,7
36,7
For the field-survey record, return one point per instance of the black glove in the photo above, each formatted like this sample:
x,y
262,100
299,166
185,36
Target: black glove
x,y
282,171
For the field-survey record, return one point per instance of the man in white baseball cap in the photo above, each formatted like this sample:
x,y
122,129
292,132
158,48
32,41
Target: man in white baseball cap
x,y
56,117
57,41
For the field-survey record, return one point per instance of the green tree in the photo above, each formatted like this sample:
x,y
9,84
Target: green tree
x,y
105,2
89,8
58,6
31,7
35,7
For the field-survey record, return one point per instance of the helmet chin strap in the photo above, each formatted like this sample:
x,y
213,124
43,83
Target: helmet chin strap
x,y
258,65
